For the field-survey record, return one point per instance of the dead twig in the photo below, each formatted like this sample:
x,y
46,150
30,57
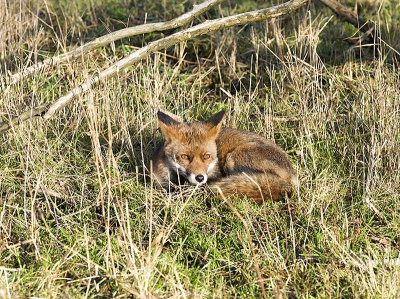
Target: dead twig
x,y
19,244
351,17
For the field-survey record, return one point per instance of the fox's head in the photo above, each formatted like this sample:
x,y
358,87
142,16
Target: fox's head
x,y
190,148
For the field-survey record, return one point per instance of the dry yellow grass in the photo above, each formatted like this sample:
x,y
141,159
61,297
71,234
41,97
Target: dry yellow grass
x,y
78,220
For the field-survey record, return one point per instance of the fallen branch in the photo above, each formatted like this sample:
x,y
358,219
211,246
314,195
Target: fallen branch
x,y
203,28
19,244
37,111
117,35
350,17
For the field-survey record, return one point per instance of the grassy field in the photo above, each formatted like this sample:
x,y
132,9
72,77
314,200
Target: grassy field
x,y
77,217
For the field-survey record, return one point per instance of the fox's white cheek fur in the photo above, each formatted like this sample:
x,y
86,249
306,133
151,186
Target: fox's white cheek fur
x,y
212,165
176,165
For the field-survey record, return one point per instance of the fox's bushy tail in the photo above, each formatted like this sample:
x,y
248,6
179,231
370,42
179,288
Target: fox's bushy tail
x,y
258,186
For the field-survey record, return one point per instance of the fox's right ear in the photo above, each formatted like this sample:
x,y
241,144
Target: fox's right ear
x,y
167,125
166,119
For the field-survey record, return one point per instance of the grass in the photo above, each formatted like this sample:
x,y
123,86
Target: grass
x,y
78,219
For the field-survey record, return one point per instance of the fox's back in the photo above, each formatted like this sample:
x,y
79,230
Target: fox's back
x,y
230,138
243,151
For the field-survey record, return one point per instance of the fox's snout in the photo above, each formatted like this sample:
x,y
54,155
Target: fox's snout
x,y
194,173
199,178
196,179
198,172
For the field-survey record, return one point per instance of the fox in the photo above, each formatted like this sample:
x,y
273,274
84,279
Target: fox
x,y
228,160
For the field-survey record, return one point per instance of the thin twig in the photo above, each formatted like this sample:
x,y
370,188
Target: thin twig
x,y
19,244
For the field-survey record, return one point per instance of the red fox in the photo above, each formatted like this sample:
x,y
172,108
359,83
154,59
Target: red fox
x,y
234,161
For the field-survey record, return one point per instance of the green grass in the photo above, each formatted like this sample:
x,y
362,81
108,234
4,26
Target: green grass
x,y
78,219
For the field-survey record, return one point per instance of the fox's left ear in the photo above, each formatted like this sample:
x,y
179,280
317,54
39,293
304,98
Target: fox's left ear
x,y
214,123
217,118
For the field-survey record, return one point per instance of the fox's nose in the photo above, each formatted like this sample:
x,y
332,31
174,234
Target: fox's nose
x,y
199,178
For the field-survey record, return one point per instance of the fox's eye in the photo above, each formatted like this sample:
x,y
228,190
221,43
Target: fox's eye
x,y
184,157
206,156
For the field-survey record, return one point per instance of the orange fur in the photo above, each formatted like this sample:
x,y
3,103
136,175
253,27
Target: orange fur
x,y
234,161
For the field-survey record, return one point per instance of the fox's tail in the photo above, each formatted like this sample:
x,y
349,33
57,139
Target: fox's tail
x,y
258,186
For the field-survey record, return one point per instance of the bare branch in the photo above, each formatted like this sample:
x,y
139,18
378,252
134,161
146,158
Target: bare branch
x,y
203,28
19,244
349,16
109,38
37,111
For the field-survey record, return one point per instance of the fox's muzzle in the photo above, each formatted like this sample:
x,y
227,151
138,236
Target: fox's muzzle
x,y
196,179
199,178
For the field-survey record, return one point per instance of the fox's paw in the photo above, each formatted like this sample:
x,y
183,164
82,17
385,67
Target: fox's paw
x,y
279,191
286,190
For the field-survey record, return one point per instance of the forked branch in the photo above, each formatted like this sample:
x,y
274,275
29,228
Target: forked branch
x,y
181,36
163,43
351,17
346,14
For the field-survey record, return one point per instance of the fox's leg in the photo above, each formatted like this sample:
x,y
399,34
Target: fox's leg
x,y
232,159
249,171
259,159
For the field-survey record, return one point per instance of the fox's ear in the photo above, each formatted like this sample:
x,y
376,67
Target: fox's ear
x,y
167,125
217,118
214,123
166,119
